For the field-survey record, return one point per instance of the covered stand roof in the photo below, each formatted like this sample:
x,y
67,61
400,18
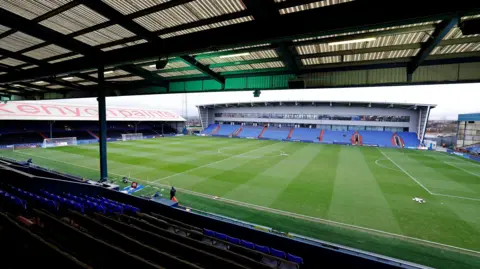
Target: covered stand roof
x,y
321,103
52,48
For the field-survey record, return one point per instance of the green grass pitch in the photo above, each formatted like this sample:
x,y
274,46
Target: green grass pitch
x,y
356,196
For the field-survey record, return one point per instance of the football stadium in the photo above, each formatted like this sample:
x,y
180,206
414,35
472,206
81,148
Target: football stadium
x,y
282,184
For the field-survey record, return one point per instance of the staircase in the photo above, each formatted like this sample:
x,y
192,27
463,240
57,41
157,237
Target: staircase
x,y
263,131
93,134
238,131
215,130
397,141
357,139
322,133
44,136
290,133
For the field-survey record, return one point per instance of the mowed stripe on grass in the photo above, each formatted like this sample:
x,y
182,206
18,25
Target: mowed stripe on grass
x,y
339,183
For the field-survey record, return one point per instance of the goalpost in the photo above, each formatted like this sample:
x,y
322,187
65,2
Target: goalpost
x,y
135,136
59,142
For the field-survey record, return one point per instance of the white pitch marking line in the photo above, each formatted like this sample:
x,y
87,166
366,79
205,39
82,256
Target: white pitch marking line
x,y
459,197
281,212
386,167
471,173
208,164
403,170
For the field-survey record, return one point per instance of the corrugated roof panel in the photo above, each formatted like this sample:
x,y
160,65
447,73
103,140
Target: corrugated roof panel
x,y
191,72
179,64
368,31
73,20
471,17
124,45
207,27
29,67
3,29
11,62
132,78
46,52
458,48
72,79
180,73
314,5
66,58
322,60
18,41
108,73
190,12
105,35
252,56
31,9
267,65
55,87
87,83
456,33
130,6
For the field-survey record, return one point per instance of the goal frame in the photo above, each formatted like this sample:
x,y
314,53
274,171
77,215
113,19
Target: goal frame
x,y
59,142
133,136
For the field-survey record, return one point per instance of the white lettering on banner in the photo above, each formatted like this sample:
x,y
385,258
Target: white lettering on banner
x,y
44,111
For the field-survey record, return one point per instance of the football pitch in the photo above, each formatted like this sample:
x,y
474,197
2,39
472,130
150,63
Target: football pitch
x,y
355,196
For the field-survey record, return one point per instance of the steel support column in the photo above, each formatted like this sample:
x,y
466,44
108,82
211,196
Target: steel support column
x,y
102,122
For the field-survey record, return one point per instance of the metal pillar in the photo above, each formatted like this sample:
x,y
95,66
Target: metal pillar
x,y
102,121
51,128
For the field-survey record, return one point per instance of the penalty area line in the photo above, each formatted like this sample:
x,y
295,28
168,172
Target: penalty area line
x,y
403,170
464,170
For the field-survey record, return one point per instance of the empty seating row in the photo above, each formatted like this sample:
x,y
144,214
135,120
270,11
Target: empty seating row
x,y
276,133
264,249
409,139
209,129
306,134
250,131
344,137
383,139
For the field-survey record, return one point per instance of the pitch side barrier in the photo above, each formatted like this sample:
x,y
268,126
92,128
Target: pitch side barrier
x,y
316,253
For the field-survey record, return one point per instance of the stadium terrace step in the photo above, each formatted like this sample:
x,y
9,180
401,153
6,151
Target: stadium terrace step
x,y
237,132
263,131
290,133
338,137
42,135
93,134
216,129
227,130
250,131
209,129
305,134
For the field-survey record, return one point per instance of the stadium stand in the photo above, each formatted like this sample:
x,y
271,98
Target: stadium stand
x,y
209,129
251,131
83,226
341,137
305,134
473,149
276,133
382,139
410,139
227,130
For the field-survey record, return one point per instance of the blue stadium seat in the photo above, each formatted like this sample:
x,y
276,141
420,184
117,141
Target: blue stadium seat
x,y
221,236
233,240
226,129
209,232
294,258
278,253
263,249
247,244
306,134
276,133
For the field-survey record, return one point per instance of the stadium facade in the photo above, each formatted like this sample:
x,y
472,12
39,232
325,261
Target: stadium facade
x,y
324,120
468,132
29,124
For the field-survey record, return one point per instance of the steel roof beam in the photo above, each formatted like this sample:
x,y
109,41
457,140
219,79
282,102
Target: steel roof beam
x,y
440,32
266,13
204,69
152,77
361,15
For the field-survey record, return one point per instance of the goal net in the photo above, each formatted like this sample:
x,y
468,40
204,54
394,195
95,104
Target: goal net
x,y
59,142
127,137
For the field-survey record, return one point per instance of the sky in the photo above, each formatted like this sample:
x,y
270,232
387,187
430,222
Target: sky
x,y
451,99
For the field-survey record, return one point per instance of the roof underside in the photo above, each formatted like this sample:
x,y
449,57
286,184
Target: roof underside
x,y
320,103
52,48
